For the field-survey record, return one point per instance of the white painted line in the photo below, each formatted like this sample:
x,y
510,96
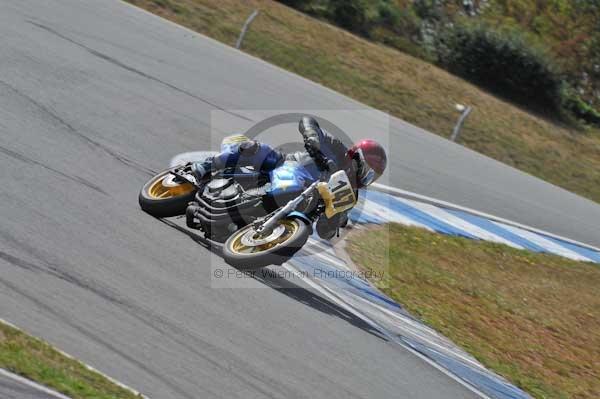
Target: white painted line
x,y
322,245
550,246
120,384
385,213
379,186
439,213
95,370
32,384
417,329
337,262
325,258
335,299
429,361
444,204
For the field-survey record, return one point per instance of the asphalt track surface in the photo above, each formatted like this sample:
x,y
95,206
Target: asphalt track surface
x,y
10,389
94,97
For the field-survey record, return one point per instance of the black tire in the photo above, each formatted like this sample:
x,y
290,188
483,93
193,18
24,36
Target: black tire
x,y
274,256
164,207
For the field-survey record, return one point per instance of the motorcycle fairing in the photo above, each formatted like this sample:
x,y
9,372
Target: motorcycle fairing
x,y
300,215
291,177
337,194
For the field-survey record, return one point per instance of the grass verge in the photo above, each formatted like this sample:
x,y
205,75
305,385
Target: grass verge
x,y
397,83
533,318
36,360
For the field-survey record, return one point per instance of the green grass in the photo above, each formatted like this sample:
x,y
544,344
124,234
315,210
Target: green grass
x,y
397,83
533,318
36,360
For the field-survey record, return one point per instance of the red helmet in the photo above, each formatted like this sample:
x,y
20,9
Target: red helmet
x,y
371,160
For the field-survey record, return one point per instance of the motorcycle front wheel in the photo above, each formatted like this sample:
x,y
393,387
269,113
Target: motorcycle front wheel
x,y
248,250
166,195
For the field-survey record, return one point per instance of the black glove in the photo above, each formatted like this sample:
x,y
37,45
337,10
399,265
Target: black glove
x,y
310,130
311,133
312,145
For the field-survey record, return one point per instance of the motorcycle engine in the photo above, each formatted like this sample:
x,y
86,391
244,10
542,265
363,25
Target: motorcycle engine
x,y
222,191
223,206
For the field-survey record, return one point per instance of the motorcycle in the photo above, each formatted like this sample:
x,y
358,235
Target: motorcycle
x,y
260,218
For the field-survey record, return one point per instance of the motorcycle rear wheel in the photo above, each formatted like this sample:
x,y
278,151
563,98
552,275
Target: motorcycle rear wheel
x,y
247,250
164,195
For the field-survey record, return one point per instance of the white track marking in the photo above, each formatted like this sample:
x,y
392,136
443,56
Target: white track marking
x,y
120,384
329,294
326,257
417,329
332,260
455,221
32,384
387,214
433,201
326,248
550,246
431,206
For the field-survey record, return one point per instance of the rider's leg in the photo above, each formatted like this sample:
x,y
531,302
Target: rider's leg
x,y
202,169
327,227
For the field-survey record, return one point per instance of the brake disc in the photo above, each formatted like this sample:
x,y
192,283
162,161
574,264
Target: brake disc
x,y
252,239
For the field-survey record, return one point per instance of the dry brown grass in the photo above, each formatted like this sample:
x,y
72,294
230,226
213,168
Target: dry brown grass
x,y
533,318
397,83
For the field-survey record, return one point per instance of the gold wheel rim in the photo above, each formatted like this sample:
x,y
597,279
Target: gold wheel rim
x,y
238,247
163,188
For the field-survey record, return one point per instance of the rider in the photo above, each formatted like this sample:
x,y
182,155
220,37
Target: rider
x,y
364,162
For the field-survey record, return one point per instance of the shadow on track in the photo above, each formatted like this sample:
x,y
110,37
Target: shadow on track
x,y
287,287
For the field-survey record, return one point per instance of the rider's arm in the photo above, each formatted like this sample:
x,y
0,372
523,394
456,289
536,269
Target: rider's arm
x,y
314,138
265,158
201,169
219,161
337,149
310,130
311,133
252,153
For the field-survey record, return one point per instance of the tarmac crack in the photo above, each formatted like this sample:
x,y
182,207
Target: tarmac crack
x,y
138,72
63,318
74,178
73,131
147,318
